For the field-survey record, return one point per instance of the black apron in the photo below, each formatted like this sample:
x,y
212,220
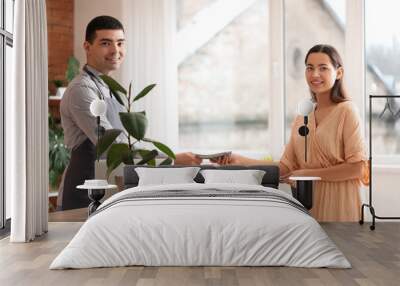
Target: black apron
x,y
80,168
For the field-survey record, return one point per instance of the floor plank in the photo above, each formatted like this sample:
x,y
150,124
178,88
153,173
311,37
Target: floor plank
x,y
74,215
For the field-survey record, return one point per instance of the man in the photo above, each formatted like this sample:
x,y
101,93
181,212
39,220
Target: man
x,y
105,50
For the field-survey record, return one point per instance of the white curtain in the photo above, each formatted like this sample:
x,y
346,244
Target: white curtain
x,y
150,30
27,124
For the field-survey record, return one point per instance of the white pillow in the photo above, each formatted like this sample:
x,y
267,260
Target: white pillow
x,y
166,176
248,177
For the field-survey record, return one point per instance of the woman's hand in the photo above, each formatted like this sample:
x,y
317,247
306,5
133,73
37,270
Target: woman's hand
x,y
300,173
295,173
187,158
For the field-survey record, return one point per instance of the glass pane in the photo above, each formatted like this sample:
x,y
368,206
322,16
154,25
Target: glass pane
x,y
301,34
1,15
9,15
382,38
9,92
187,9
2,190
223,98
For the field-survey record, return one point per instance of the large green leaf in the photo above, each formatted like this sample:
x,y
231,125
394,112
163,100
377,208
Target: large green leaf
x,y
162,147
106,140
148,157
167,161
115,87
129,92
113,84
119,98
116,155
128,158
135,123
144,92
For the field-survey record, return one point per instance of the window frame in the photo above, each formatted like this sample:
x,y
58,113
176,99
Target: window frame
x,y
354,62
387,163
273,121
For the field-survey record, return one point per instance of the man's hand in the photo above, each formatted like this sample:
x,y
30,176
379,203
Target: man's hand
x,y
187,158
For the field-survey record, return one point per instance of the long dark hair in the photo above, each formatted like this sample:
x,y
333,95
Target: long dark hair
x,y
338,93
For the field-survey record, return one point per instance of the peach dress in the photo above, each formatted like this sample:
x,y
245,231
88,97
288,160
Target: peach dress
x,y
337,139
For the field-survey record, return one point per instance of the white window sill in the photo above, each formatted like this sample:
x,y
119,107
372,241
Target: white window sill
x,y
53,194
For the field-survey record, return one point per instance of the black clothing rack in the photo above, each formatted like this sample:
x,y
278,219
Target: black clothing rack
x,y
370,205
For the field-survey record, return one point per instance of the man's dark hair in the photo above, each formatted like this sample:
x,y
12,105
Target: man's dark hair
x,y
101,23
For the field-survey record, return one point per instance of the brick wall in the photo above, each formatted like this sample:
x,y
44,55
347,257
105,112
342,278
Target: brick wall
x,y
60,19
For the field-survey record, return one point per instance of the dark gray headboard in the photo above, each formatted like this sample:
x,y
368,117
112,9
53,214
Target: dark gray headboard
x,y
270,179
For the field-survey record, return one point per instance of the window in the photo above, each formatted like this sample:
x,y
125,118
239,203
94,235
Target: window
x,y
6,43
187,9
223,75
9,16
308,23
382,44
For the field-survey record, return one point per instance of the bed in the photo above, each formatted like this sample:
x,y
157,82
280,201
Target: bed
x,y
201,224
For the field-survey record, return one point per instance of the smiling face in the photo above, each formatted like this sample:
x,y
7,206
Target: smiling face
x,y
106,52
321,75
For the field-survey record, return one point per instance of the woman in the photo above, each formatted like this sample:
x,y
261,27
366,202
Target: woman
x,y
336,149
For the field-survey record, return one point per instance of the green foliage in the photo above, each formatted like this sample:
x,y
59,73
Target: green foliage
x,y
144,92
58,83
115,87
167,161
71,71
116,155
72,68
106,140
148,157
162,147
135,125
58,153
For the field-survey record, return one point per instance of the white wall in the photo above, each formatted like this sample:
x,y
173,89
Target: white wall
x,y
386,190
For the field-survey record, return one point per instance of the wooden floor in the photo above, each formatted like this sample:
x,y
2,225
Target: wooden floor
x,y
375,257
75,215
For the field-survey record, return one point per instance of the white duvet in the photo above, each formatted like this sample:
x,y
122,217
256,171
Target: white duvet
x,y
200,231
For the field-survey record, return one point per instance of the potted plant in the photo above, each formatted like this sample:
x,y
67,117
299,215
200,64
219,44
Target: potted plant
x,y
58,154
135,125
71,71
